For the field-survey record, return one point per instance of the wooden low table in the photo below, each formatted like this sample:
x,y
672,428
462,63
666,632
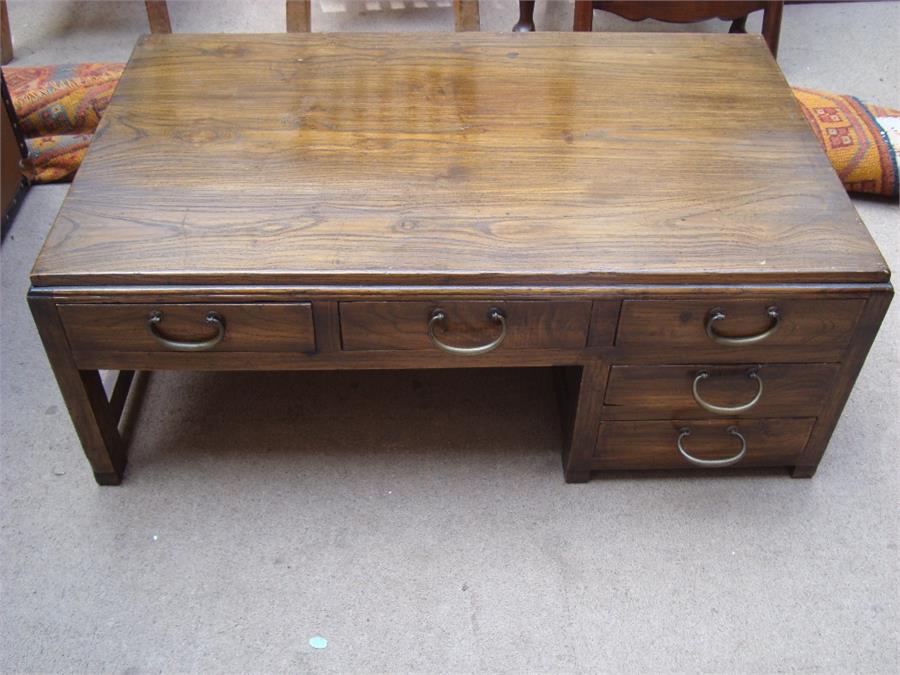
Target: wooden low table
x,y
647,213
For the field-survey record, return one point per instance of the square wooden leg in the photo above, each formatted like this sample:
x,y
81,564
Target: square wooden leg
x,y
573,476
804,471
82,390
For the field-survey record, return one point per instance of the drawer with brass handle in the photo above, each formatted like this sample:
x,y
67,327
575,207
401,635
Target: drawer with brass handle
x,y
765,330
220,327
708,444
464,328
710,390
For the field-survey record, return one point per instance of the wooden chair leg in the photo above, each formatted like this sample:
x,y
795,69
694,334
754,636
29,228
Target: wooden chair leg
x,y
466,15
771,28
525,24
584,16
5,36
158,16
299,16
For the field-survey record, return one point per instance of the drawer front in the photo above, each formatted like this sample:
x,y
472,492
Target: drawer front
x,y
654,445
468,325
667,392
684,331
275,327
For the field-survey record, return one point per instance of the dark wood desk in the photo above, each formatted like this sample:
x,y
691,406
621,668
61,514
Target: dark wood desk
x,y
650,216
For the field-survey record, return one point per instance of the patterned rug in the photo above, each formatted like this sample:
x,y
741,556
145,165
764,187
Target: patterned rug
x,y
59,108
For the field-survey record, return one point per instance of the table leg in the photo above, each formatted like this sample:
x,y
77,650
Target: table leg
x,y
82,390
803,471
585,423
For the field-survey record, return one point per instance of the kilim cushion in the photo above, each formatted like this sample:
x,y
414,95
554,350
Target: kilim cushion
x,y
861,140
58,109
56,158
65,99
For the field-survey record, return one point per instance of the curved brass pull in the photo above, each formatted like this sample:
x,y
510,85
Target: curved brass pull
x,y
494,314
684,432
726,410
719,315
212,319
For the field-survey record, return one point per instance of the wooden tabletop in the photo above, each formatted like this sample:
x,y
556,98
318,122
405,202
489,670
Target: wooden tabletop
x,y
544,158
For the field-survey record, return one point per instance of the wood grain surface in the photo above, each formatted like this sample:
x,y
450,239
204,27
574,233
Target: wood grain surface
x,y
423,158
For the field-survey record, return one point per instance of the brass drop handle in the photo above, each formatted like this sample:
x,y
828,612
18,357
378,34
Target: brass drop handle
x,y
716,315
213,319
684,432
495,315
726,410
